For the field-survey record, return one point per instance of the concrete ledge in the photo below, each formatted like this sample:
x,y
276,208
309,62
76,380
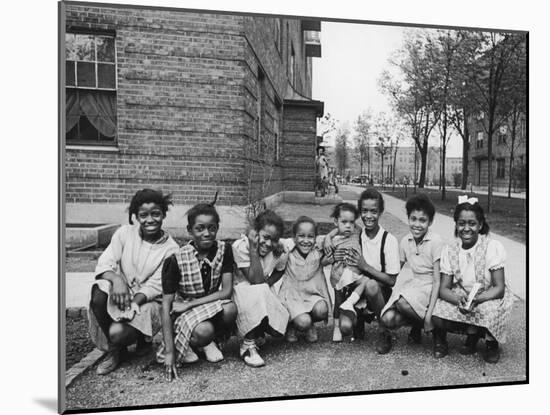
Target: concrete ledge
x,y
78,368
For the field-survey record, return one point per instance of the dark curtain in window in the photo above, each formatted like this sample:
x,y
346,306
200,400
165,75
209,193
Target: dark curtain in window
x,y
98,106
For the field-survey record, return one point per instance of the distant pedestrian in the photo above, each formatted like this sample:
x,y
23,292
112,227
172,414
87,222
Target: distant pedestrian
x,y
322,171
304,290
473,260
413,302
197,283
123,306
260,264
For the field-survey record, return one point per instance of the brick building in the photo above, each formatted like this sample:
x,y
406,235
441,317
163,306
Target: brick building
x,y
478,160
188,102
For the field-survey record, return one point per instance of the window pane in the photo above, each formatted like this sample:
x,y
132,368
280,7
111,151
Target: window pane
x,y
105,49
105,75
87,130
85,74
84,48
73,134
104,138
69,73
70,46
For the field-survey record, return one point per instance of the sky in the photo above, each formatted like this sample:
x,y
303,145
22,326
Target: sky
x,y
345,78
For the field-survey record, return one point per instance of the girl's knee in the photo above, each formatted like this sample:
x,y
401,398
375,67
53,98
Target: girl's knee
x,y
202,334
320,311
372,288
302,322
346,326
388,319
229,313
122,334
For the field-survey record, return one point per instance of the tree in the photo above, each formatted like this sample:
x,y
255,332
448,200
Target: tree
x,y
383,131
413,93
489,62
342,149
363,128
515,105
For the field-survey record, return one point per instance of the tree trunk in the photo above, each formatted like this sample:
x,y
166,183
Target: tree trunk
x,y
513,139
423,159
490,166
465,150
443,155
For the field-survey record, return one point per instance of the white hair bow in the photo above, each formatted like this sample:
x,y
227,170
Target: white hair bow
x,y
465,199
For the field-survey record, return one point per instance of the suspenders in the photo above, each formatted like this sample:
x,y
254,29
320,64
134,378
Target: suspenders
x,y
382,255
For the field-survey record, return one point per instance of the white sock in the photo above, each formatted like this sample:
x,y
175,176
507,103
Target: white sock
x,y
353,298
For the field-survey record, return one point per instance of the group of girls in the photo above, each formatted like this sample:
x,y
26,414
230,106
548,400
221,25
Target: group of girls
x,y
205,291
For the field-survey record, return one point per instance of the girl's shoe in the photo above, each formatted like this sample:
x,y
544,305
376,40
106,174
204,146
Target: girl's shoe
x,y
384,342
311,334
415,335
336,334
250,354
470,345
190,356
492,351
110,363
212,353
290,335
143,347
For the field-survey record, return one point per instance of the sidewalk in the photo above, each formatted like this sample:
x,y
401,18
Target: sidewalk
x,y
516,261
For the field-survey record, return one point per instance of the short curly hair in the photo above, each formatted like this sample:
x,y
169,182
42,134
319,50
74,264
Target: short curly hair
x,y
148,196
420,202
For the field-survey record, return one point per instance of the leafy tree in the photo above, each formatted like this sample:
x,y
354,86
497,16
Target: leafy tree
x,y
363,129
342,149
413,92
489,61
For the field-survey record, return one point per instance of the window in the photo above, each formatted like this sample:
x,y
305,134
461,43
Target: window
x,y
291,66
90,89
502,131
259,109
277,151
500,168
277,34
479,141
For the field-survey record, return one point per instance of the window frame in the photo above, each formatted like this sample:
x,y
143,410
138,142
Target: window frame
x,y
92,144
501,168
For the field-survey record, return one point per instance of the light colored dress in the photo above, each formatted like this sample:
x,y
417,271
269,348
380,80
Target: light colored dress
x,y
468,266
420,259
140,263
303,283
342,274
257,301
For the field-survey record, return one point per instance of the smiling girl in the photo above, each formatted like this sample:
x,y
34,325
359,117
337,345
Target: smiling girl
x,y
259,266
123,309
412,301
304,290
473,258
200,274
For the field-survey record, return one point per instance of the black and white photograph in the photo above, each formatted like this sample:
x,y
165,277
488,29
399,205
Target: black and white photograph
x,y
271,206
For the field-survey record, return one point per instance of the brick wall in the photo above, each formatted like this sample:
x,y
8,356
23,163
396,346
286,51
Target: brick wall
x,y
187,96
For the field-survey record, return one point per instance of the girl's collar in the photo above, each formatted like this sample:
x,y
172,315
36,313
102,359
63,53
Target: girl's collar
x,y
163,238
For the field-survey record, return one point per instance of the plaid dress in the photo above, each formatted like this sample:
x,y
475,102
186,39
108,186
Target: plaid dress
x,y
191,286
493,314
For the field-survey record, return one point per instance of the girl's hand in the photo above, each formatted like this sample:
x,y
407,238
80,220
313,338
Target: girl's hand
x,y
328,246
340,254
253,240
180,307
428,325
130,313
120,293
278,249
355,259
170,366
462,305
